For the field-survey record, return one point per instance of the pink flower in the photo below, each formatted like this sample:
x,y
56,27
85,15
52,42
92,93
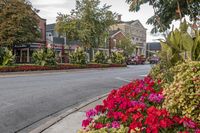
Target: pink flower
x,y
90,113
158,98
115,124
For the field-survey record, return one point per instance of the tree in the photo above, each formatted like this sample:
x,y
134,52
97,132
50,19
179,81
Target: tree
x,y
18,23
165,11
88,22
67,25
127,46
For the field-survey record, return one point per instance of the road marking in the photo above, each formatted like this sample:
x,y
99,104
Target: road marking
x,y
122,79
143,75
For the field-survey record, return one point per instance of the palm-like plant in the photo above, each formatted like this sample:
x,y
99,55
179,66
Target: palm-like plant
x,y
180,45
6,57
44,57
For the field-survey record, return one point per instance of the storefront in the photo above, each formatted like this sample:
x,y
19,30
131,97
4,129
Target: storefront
x,y
23,53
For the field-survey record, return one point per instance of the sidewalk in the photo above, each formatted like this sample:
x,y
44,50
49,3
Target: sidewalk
x,y
72,122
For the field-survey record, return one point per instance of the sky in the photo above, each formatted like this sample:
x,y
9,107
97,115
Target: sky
x,y
50,8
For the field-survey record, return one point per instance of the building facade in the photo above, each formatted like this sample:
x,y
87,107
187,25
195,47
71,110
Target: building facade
x,y
23,52
136,31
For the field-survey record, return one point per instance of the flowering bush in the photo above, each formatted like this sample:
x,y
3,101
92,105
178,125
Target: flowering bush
x,y
136,107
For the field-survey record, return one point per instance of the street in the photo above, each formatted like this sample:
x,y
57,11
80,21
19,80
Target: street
x,y
28,99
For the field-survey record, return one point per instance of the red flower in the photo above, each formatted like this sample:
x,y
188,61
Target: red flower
x,y
98,125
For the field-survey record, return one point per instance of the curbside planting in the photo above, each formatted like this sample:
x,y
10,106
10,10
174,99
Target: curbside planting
x,y
22,68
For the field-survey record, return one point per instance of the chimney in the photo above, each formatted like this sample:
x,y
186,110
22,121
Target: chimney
x,y
119,18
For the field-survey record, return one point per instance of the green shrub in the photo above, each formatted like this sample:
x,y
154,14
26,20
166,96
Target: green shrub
x,y
182,95
100,57
44,57
117,58
6,57
162,71
122,129
78,56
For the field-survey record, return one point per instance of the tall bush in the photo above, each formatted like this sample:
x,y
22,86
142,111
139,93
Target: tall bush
x,y
117,58
100,57
44,57
182,95
78,56
6,57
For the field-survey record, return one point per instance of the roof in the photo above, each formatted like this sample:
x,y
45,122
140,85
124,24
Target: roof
x,y
58,40
111,33
50,27
154,46
72,42
128,22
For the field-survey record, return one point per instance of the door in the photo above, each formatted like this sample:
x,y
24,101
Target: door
x,y
24,56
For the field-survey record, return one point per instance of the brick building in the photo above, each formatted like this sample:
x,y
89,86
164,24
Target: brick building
x,y
136,31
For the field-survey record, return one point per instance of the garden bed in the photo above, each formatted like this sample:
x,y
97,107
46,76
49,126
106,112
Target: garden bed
x,y
136,108
19,68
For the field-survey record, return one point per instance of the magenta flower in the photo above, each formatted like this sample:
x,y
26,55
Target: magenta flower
x,y
115,124
158,98
90,113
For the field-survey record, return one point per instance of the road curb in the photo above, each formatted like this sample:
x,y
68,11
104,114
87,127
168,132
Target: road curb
x,y
46,72
55,120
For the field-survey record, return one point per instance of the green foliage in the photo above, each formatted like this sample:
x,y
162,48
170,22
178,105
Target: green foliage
x,y
6,57
161,71
122,129
18,23
127,46
67,25
88,22
167,10
100,57
78,56
44,57
117,58
180,45
182,95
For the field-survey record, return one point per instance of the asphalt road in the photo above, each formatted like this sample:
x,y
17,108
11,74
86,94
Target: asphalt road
x,y
27,99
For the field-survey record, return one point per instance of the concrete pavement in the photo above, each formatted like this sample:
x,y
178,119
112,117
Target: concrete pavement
x,y
71,123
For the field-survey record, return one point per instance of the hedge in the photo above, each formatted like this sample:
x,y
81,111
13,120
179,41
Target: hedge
x,y
58,67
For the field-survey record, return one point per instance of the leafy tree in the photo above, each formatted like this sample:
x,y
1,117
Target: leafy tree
x,y
18,23
67,25
95,21
88,22
165,11
127,46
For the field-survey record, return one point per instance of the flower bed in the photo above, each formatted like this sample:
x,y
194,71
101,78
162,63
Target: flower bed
x,y
135,108
58,67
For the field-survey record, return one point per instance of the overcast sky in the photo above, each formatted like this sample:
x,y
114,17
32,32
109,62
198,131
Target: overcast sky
x,y
50,8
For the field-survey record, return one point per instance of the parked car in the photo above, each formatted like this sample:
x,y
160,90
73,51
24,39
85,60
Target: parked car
x,y
136,60
154,59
